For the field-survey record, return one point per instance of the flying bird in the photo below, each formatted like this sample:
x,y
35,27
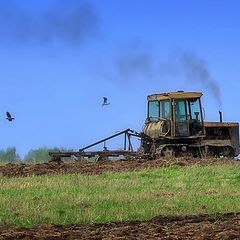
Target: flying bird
x,y
105,101
9,117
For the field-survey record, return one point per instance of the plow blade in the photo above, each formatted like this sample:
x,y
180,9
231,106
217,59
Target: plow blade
x,y
101,155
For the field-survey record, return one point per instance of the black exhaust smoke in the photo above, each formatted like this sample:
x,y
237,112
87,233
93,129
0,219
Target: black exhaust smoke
x,y
70,22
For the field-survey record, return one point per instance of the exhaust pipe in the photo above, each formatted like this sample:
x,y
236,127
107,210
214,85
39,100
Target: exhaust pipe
x,y
221,116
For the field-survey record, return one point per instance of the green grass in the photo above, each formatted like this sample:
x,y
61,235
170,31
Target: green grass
x,y
70,199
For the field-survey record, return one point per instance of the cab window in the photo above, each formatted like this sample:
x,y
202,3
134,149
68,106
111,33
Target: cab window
x,y
180,110
194,106
153,110
165,109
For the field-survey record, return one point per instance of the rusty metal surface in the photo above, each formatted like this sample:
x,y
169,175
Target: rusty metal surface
x,y
156,129
174,95
112,153
222,134
217,142
235,138
220,124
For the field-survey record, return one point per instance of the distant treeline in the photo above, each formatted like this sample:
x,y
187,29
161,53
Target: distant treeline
x,y
39,155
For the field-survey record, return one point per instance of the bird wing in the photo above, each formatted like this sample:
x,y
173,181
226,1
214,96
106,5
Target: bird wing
x,y
8,115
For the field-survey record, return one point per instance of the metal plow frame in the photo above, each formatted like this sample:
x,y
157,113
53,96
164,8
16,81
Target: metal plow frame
x,y
101,155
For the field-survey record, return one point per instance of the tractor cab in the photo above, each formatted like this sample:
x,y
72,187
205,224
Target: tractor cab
x,y
174,115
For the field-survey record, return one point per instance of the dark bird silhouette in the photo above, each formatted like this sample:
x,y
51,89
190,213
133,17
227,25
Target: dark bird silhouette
x,y
105,101
9,117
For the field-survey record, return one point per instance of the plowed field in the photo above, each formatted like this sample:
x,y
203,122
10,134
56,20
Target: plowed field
x,y
88,168
191,227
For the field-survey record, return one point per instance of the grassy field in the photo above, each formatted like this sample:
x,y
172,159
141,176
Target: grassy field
x,y
69,199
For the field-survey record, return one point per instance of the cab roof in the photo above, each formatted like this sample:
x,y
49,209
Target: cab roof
x,y
174,95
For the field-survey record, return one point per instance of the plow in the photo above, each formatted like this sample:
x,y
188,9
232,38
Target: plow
x,y
81,154
175,127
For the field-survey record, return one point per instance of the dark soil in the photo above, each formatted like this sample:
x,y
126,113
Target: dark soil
x,y
89,168
192,227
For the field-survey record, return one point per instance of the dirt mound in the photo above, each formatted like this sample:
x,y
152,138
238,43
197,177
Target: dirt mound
x,y
88,168
192,227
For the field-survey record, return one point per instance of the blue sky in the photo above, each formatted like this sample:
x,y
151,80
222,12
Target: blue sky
x,y
58,58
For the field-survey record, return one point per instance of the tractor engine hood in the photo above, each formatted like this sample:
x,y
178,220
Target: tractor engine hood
x,y
157,129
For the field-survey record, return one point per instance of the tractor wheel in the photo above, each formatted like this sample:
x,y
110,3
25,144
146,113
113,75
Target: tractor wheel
x,y
168,152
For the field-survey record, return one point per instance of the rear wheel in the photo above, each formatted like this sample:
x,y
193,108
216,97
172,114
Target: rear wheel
x,y
168,152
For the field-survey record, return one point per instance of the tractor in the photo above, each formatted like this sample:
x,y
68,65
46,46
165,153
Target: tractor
x,y
176,126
